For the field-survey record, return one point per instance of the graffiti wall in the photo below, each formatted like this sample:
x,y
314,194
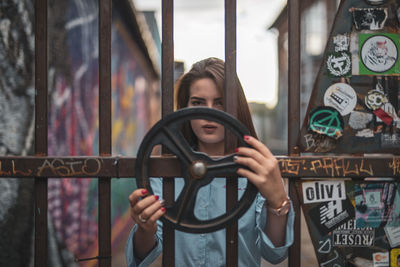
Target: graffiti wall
x,y
73,121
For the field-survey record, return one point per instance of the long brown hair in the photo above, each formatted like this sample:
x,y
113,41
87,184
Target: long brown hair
x,y
213,68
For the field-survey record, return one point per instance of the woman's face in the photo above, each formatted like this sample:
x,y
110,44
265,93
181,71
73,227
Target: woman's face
x,y
204,93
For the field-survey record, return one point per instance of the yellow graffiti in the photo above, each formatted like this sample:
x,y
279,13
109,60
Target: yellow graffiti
x,y
60,168
328,166
395,166
290,166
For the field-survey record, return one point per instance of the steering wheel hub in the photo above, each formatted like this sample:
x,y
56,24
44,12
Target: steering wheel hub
x,y
198,169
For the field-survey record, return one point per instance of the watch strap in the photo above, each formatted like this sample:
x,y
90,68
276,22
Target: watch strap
x,y
283,209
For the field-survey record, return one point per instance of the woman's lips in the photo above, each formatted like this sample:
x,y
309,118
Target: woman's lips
x,y
209,128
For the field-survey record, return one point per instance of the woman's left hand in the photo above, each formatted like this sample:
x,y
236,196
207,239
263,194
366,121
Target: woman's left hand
x,y
263,171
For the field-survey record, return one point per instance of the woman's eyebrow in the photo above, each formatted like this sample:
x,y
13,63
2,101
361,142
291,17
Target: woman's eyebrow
x,y
196,98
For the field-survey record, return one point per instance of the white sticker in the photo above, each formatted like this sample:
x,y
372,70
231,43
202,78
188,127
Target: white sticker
x,y
379,53
393,235
359,120
367,133
381,259
342,97
342,42
322,191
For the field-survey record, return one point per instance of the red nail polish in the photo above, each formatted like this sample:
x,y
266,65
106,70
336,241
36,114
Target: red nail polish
x,y
236,150
144,192
246,137
162,209
156,197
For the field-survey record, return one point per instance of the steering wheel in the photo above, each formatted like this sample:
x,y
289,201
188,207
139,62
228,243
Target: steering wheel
x,y
197,168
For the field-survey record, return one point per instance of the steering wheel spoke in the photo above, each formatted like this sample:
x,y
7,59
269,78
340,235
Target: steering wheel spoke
x,y
223,167
178,145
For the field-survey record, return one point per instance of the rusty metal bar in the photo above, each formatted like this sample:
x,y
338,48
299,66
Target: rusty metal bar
x,y
168,166
294,14
40,209
167,102
230,98
104,184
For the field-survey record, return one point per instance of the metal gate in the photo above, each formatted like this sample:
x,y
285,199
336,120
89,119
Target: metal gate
x,y
104,166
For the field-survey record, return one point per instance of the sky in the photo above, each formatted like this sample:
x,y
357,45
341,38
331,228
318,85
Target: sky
x,y
199,33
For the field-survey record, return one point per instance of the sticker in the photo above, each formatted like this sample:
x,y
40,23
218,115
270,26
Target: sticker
x,y
390,140
383,116
369,18
341,42
374,204
329,215
367,133
339,64
322,191
391,112
378,53
342,97
381,259
359,120
348,235
395,257
393,235
375,98
326,121
376,2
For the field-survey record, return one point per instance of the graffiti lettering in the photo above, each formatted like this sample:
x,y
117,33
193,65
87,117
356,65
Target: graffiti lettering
x,y
291,166
310,142
61,168
395,166
14,170
331,167
331,260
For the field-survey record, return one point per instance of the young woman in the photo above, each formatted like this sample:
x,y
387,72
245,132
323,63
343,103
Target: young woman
x,y
265,230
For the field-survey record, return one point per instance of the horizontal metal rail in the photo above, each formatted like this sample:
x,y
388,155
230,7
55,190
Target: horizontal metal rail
x,y
168,166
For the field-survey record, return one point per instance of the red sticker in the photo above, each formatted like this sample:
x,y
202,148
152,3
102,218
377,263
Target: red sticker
x,y
381,114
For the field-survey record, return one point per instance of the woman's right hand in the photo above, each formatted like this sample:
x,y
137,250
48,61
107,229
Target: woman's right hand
x,y
146,210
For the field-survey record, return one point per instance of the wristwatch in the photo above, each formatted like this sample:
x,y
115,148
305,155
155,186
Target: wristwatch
x,y
283,208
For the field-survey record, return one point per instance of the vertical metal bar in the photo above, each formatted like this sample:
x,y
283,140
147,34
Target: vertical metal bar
x,y
104,231
41,253
231,104
294,11
167,85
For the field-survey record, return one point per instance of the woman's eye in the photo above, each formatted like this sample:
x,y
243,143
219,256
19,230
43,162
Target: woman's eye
x,y
219,104
196,103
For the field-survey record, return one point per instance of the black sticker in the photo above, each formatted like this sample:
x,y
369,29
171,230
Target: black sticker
x,y
369,18
329,215
338,64
326,121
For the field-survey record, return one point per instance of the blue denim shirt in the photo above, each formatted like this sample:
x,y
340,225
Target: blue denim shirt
x,y
209,249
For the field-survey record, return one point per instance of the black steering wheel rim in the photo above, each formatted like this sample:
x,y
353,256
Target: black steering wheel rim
x,y
167,132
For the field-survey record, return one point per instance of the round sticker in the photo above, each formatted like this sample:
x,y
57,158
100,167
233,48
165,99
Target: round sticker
x,y
379,53
326,121
375,99
342,97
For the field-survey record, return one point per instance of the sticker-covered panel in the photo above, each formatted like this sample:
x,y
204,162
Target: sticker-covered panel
x,y
352,223
354,106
